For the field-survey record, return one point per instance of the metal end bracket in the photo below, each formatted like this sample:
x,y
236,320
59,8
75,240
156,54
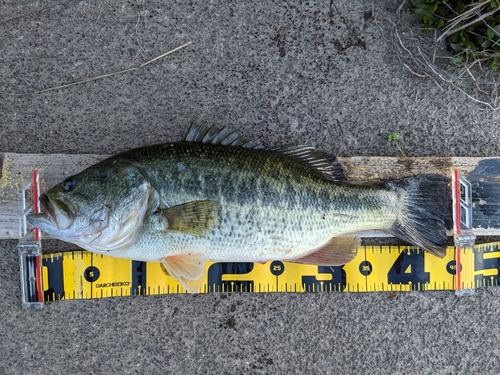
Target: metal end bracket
x,y
30,246
462,224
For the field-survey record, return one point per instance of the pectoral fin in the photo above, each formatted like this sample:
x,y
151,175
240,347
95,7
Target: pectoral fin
x,y
187,269
338,251
194,218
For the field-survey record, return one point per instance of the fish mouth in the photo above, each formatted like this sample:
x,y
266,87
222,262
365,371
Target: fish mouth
x,y
55,211
47,207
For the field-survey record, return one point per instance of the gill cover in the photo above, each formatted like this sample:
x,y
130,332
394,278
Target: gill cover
x,y
101,209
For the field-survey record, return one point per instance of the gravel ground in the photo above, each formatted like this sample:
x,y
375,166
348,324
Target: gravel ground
x,y
319,73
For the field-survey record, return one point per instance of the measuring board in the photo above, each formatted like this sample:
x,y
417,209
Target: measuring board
x,y
80,274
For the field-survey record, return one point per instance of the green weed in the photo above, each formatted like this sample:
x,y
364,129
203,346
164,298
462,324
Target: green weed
x,y
394,137
471,29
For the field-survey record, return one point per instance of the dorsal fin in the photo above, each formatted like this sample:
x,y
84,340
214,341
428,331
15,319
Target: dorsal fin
x,y
322,162
217,136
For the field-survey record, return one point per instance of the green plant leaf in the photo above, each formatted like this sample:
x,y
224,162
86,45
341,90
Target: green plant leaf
x,y
433,7
393,137
458,59
457,47
466,40
423,14
494,65
486,44
496,29
428,6
479,40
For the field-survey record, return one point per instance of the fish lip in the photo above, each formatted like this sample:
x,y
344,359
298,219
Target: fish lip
x,y
48,204
47,207
40,220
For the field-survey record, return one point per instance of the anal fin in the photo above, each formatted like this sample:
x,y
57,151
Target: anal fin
x,y
187,269
338,251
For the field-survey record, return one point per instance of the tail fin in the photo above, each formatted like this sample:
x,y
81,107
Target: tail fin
x,y
426,211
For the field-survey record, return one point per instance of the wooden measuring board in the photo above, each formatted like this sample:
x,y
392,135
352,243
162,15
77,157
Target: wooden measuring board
x,y
483,173
82,275
79,274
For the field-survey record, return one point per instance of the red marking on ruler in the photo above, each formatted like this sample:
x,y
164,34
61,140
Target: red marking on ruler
x,y
457,227
36,206
39,286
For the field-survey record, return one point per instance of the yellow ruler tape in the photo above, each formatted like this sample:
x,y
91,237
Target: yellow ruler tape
x,y
80,274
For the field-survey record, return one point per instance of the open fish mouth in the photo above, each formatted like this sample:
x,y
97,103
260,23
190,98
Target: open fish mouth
x,y
55,211
47,207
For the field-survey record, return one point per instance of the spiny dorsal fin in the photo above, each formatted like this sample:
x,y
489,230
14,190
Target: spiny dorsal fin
x,y
216,136
322,162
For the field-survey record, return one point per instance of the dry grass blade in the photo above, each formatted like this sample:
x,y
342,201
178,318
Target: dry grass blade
x,y
32,12
165,54
343,141
101,76
474,13
86,80
426,63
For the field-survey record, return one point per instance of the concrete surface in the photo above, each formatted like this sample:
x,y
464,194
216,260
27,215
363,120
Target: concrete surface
x,y
278,72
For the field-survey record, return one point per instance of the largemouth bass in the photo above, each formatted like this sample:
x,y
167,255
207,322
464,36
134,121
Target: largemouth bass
x,y
215,196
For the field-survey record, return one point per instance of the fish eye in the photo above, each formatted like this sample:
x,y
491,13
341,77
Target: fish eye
x,y
68,184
